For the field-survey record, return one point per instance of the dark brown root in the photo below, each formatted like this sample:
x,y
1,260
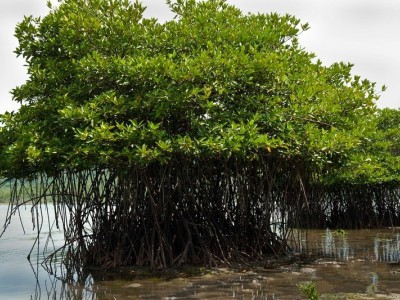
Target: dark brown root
x,y
190,211
207,212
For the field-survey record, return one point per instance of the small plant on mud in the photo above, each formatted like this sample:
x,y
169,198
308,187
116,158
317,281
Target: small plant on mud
x,y
309,290
341,232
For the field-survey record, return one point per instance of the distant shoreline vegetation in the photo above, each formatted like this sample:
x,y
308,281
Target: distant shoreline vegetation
x,y
5,194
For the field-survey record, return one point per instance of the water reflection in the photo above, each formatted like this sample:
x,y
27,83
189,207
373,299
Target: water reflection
x,y
363,261
387,249
373,245
335,244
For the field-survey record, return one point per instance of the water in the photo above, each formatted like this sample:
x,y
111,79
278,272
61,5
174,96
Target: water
x,y
364,261
20,278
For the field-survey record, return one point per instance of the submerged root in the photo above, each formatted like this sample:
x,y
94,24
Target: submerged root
x,y
184,212
206,212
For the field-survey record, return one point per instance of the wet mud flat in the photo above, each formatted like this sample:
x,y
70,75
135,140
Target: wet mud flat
x,y
333,281
355,264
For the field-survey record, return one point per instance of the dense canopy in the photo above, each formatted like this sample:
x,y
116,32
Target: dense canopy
x,y
109,87
377,159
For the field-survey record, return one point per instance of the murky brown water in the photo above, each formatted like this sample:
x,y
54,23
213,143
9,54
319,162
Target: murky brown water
x,y
363,261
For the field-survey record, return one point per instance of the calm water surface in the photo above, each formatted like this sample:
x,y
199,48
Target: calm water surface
x,y
20,278
364,261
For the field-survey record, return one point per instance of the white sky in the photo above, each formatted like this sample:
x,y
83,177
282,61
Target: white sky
x,y
363,32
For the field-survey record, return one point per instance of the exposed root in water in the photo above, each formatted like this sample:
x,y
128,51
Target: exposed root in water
x,y
190,211
207,212
352,207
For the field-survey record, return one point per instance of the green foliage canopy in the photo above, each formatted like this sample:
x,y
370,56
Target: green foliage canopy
x,y
376,160
110,87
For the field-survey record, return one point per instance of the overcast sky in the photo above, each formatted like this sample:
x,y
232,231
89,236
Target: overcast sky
x,y
363,32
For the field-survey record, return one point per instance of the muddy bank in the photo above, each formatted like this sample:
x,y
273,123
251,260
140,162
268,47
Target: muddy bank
x,y
359,264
